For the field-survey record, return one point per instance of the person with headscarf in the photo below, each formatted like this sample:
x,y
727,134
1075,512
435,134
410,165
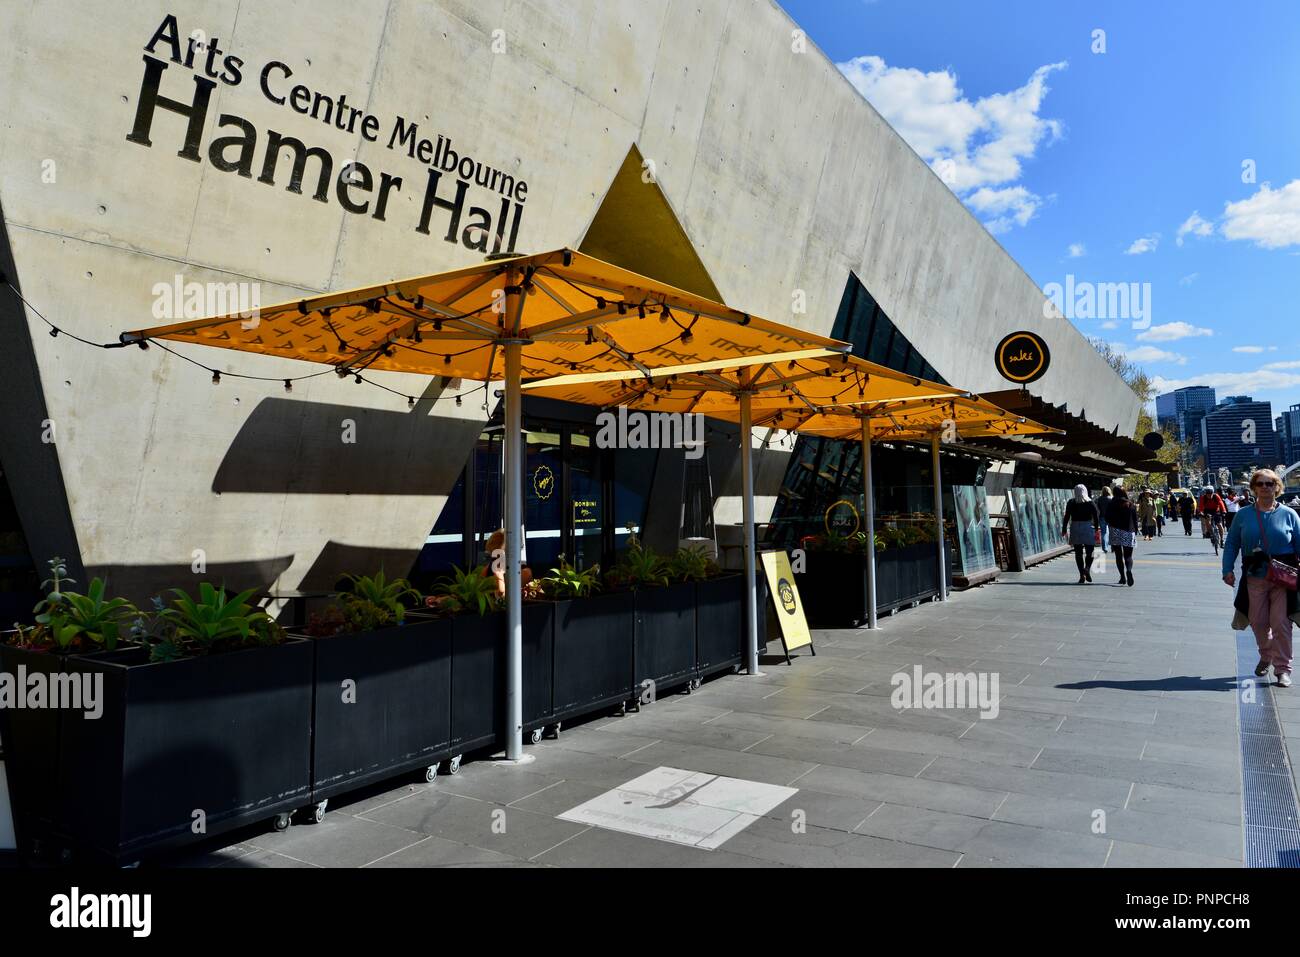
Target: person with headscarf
x,y
1080,526
1121,516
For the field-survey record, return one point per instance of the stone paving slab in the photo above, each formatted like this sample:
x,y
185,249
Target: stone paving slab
x,y
1114,704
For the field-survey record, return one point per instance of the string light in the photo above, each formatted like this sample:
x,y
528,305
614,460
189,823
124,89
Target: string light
x,y
216,377
288,385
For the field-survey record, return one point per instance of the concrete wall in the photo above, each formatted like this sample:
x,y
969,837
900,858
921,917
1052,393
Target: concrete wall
x,y
784,179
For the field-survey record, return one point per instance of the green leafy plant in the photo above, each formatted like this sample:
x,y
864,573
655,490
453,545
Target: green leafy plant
x,y
468,590
639,567
691,564
214,622
70,622
380,592
566,582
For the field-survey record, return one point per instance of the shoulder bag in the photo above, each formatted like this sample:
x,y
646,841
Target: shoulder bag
x,y
1279,573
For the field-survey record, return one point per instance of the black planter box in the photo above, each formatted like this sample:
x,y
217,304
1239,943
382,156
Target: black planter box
x,y
720,623
594,640
228,735
398,717
916,568
834,589
31,748
664,651
478,676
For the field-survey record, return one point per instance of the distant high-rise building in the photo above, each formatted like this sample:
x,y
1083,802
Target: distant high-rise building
x,y
1182,410
1237,433
1287,426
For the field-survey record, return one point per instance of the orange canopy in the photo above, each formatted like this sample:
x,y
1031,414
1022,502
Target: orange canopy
x,y
573,313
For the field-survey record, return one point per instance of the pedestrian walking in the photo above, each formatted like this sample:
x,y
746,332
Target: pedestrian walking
x,y
1147,514
1186,506
1122,518
1160,515
1267,535
1080,526
1102,502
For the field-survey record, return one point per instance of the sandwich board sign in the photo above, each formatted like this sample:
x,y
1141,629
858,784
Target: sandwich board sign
x,y
786,603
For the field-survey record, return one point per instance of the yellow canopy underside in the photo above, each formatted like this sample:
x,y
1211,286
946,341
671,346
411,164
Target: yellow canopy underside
x,y
820,395
576,314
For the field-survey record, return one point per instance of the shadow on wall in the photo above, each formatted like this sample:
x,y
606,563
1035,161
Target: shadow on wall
x,y
336,560
320,448
140,583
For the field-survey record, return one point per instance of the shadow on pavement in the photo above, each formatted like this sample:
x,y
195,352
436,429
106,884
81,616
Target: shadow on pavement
x,y
1174,683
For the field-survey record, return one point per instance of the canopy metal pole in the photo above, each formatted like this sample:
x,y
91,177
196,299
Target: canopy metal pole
x,y
938,517
869,509
513,449
751,556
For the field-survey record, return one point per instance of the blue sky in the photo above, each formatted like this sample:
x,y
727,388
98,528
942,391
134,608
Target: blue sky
x,y
1122,166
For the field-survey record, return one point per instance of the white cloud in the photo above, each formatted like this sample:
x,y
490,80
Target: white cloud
x,y
1235,383
1012,205
1250,349
1188,279
1149,354
973,145
1173,331
1270,218
1195,226
1077,250
1282,365
1146,244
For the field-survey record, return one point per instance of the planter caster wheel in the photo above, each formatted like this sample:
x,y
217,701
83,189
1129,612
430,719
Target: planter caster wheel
x,y
735,669
622,710
534,736
280,822
431,773
553,731
453,766
694,685
634,706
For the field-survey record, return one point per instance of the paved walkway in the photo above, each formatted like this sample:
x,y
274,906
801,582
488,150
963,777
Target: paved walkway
x,y
1116,744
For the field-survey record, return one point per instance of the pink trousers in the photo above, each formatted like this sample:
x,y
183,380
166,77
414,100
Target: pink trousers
x,y
1270,624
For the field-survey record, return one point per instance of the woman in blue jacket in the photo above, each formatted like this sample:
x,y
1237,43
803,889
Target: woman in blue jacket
x,y
1269,606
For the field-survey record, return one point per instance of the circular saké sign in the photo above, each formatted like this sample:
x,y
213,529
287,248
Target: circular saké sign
x,y
1154,441
1022,357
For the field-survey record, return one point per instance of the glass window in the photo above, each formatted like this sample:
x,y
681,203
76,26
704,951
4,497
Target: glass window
x,y
543,499
586,499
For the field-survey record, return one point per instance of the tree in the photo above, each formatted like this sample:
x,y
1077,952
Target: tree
x,y
1173,451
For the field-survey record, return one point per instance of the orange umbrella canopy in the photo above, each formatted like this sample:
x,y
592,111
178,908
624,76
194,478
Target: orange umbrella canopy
x,y
573,313
953,417
819,395
799,385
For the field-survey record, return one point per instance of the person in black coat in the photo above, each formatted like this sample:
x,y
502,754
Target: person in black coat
x,y
1186,507
1122,518
1080,526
